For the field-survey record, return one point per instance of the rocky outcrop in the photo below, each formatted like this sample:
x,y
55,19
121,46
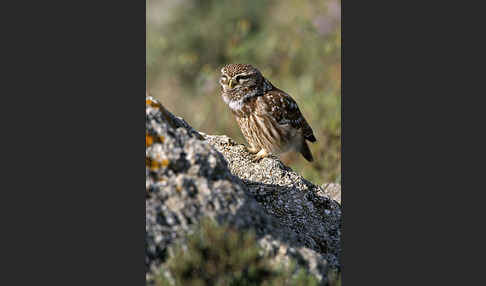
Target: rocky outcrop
x,y
191,175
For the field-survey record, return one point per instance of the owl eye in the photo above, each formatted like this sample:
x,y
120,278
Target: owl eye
x,y
224,77
242,77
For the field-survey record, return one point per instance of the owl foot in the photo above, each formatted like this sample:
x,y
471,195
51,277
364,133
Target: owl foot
x,y
260,155
252,150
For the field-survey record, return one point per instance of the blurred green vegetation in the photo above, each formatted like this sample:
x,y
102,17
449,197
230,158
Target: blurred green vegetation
x,y
221,255
296,44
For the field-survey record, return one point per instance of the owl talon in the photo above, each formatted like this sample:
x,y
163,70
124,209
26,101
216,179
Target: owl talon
x,y
256,159
260,155
252,150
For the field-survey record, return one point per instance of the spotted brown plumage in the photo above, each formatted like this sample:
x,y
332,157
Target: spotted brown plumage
x,y
269,118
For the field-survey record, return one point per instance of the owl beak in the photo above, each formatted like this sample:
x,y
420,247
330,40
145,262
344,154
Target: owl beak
x,y
230,83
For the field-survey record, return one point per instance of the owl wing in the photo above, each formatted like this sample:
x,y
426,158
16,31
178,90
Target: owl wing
x,y
284,110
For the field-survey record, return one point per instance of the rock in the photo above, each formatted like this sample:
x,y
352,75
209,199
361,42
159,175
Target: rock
x,y
190,175
295,202
333,191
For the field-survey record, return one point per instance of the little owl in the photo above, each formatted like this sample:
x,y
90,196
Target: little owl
x,y
269,119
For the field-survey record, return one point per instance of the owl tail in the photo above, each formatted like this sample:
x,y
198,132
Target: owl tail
x,y
305,151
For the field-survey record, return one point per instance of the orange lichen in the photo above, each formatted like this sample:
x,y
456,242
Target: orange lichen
x,y
147,162
152,103
149,140
155,165
165,163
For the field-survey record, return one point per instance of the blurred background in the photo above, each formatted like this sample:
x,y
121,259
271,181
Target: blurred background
x,y
296,44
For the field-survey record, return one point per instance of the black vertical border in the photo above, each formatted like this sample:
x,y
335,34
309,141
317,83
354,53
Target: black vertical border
x,y
405,81
73,201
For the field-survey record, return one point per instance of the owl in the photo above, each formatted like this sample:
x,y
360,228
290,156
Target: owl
x,y
269,118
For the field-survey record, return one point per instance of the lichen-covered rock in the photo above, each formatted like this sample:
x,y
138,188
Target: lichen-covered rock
x,y
295,202
190,175
333,191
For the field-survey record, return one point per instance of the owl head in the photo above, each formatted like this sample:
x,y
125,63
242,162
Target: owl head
x,y
240,78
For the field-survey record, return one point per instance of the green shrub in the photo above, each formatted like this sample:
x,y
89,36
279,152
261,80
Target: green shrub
x,y
220,255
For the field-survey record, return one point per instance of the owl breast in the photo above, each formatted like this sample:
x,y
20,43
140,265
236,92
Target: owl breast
x,y
263,132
